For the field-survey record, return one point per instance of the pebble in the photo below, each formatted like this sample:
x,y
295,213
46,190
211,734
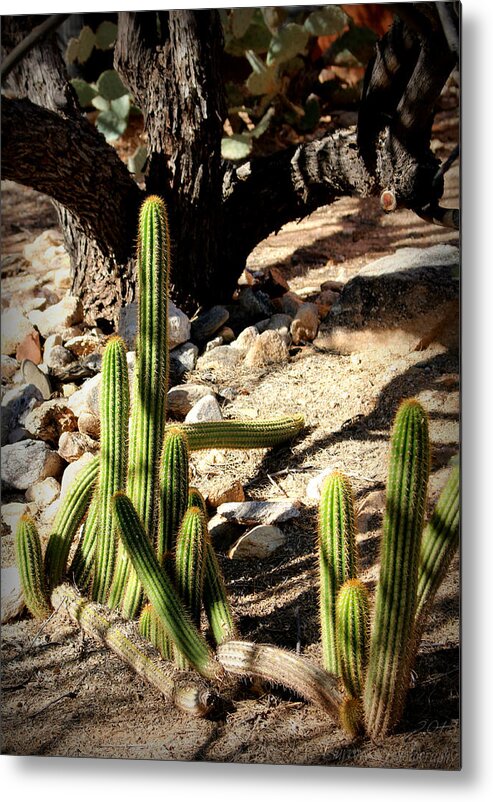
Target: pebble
x,y
57,358
182,398
178,326
246,338
12,603
32,374
43,493
72,445
16,403
28,462
227,491
66,312
205,409
259,542
268,349
259,512
87,398
206,324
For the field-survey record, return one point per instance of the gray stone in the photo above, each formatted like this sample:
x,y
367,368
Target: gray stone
x,y
224,356
204,326
182,398
406,284
87,398
12,603
206,409
258,543
178,325
9,366
66,312
214,343
28,462
184,358
16,403
33,375
57,357
259,512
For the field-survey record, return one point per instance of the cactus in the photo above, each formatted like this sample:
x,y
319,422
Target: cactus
x,y
67,521
29,562
351,716
391,644
337,557
189,565
196,499
82,567
242,434
160,590
173,486
115,407
352,630
216,602
151,628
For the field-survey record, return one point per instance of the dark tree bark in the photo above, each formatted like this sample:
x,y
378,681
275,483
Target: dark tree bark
x,y
171,62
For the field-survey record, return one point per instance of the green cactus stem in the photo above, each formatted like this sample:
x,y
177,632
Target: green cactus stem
x,y
351,716
82,567
196,499
188,692
173,486
29,562
189,566
115,410
216,602
160,591
439,544
151,381
282,668
151,628
352,633
242,434
67,521
337,557
391,645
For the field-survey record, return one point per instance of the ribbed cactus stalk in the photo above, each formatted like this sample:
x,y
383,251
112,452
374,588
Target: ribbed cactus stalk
x,y
391,645
282,668
115,409
351,716
189,565
82,567
151,628
242,434
216,602
29,562
173,488
337,557
196,499
352,634
439,544
151,380
67,521
160,591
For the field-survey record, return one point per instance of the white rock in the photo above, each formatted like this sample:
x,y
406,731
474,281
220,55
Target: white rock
x,y
28,462
58,317
221,357
9,366
43,493
259,542
245,338
182,398
206,409
57,357
13,511
185,357
314,486
12,596
15,327
87,398
259,512
71,472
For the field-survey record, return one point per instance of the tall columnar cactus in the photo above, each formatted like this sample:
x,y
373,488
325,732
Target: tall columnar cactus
x,y
150,387
391,645
173,488
337,557
352,632
189,565
115,409
160,591
67,521
82,567
31,570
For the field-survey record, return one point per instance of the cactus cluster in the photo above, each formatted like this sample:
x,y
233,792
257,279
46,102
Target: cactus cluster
x,y
375,666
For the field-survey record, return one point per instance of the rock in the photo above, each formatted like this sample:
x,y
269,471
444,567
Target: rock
x,y
328,297
204,326
13,511
314,486
223,533
409,283
87,398
374,501
71,472
57,317
224,356
47,253
271,281
30,348
214,343
69,389
227,334
206,409
72,445
268,349
278,322
28,462
51,342
128,324
305,324
288,304
246,338
50,419
43,493
332,285
9,366
16,403
15,328
178,326
184,358
12,597
89,424
85,344
182,398
228,491
33,375
259,512
259,542
254,305
57,358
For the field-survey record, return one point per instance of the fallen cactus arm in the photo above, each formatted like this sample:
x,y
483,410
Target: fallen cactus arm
x,y
29,562
282,668
242,434
188,692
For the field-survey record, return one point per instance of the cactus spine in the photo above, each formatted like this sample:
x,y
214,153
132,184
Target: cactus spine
x,y
160,590
352,629
67,521
173,483
30,565
391,643
242,434
337,557
115,407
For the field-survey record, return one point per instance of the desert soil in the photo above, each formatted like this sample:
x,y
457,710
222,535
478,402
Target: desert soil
x,y
65,694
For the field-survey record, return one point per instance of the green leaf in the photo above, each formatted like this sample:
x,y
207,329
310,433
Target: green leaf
x,y
325,21
85,92
256,38
106,35
137,160
240,21
263,125
111,125
121,106
87,40
236,147
110,86
287,43
72,51
100,103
